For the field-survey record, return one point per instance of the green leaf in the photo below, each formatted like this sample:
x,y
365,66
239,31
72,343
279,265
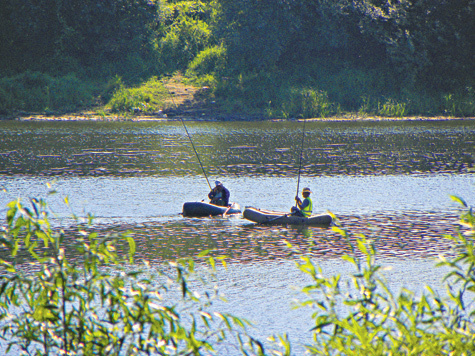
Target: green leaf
x,y
362,247
7,266
349,259
203,253
132,248
459,200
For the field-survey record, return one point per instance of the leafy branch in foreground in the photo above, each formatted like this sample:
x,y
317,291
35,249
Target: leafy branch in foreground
x,y
54,300
363,317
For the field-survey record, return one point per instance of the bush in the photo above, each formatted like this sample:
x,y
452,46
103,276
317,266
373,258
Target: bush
x,y
307,103
35,91
365,318
96,301
460,104
185,33
149,97
209,61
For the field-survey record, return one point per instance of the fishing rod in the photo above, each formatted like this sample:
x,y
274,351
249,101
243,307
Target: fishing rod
x,y
298,180
189,137
300,161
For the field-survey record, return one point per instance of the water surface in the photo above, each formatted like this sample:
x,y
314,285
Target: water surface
x,y
391,181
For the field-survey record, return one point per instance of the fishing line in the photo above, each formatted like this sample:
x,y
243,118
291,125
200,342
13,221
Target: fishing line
x,y
189,137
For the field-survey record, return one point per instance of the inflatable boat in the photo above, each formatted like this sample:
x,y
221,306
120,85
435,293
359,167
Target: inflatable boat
x,y
201,208
262,216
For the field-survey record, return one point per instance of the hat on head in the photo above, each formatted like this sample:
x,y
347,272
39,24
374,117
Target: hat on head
x,y
306,190
218,183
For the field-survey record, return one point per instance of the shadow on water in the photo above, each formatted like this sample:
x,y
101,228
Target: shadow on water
x,y
404,235
235,148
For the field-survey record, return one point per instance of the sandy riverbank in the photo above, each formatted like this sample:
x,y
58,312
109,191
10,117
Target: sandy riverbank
x,y
206,116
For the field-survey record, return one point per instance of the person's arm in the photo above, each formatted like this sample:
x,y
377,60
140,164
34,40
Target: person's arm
x,y
226,196
298,201
211,194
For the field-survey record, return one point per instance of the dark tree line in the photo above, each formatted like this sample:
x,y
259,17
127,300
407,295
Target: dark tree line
x,y
428,42
65,35
385,46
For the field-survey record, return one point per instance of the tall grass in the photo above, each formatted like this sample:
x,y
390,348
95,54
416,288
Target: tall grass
x,y
274,96
39,92
386,108
306,103
460,104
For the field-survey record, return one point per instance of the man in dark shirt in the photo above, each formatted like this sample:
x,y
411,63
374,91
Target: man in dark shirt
x,y
219,195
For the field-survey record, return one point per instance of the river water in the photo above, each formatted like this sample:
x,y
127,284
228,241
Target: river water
x,y
391,181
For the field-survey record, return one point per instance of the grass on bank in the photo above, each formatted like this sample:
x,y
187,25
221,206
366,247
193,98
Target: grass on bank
x,y
149,97
258,94
40,92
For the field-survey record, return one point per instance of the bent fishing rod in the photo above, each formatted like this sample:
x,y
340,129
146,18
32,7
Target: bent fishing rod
x,y
300,160
189,137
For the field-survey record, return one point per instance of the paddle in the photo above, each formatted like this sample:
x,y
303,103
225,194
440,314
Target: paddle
x,y
224,214
280,217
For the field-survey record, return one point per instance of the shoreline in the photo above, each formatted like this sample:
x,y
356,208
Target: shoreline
x,y
219,117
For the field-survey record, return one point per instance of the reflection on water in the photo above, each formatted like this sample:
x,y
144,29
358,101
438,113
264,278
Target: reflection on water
x,y
404,235
389,181
139,174
235,148
407,235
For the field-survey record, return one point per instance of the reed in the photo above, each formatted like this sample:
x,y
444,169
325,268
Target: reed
x,y
391,108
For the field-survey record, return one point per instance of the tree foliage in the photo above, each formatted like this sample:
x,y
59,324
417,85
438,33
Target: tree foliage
x,y
50,35
184,33
364,317
414,53
80,293
430,42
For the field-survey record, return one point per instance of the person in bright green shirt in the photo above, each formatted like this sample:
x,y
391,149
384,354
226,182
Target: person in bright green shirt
x,y
304,208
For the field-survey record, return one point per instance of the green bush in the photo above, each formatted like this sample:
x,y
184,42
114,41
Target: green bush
x,y
95,301
461,104
249,92
307,103
35,91
366,318
149,97
185,33
6,100
209,61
